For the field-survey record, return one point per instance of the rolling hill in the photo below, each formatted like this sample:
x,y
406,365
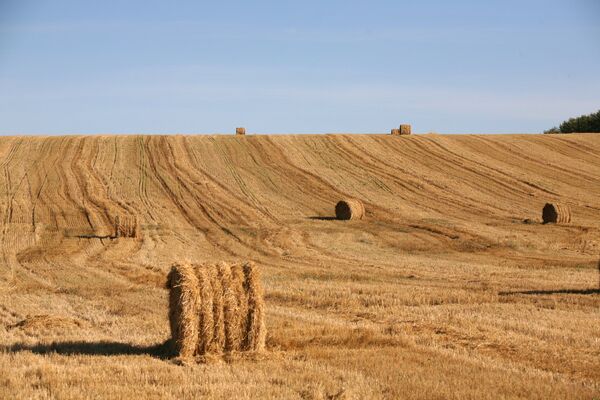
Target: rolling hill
x,y
449,288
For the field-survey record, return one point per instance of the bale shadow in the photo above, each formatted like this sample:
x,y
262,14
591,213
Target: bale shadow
x,y
161,351
555,291
316,217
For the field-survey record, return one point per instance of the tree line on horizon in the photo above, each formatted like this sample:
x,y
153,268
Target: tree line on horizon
x,y
583,123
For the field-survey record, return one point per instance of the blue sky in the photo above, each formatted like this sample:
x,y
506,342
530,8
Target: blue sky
x,y
463,66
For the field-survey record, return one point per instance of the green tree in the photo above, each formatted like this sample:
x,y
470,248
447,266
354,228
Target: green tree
x,y
584,123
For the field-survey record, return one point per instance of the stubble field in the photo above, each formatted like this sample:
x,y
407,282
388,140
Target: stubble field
x,y
449,288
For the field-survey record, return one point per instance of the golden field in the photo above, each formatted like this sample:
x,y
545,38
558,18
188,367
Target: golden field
x,y
449,288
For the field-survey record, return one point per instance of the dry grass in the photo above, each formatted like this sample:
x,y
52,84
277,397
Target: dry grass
x,y
443,292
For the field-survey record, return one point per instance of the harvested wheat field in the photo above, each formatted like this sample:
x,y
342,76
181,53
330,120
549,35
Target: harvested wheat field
x,y
449,287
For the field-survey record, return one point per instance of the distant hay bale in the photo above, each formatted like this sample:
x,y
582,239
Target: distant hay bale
x,y
556,213
240,131
395,132
405,129
126,226
349,209
228,314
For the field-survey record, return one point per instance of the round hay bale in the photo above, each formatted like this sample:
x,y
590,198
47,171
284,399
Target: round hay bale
x,y
230,308
240,131
395,132
206,321
556,213
217,344
349,209
184,299
238,284
256,333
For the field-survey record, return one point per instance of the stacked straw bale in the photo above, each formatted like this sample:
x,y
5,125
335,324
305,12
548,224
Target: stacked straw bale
x,y
350,209
126,226
216,309
556,213
395,131
405,129
240,131
184,299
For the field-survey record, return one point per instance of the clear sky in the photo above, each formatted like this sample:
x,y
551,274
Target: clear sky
x,y
311,66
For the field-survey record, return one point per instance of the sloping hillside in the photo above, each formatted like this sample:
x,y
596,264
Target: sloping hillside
x,y
443,290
